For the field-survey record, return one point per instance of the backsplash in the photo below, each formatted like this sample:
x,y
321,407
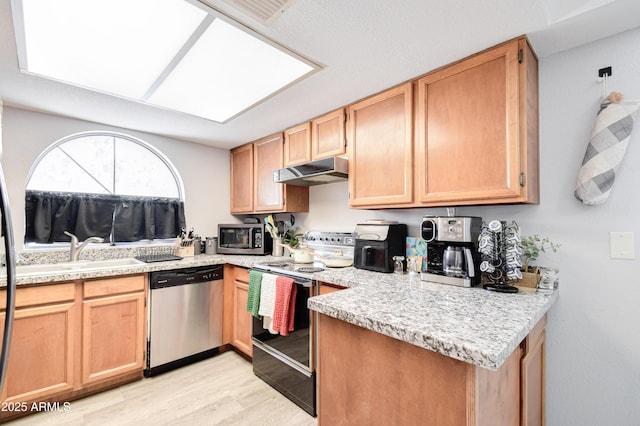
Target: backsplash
x,y
30,257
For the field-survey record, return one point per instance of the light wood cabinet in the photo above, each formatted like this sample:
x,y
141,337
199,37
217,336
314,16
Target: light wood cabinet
x,y
328,135
242,179
75,338
113,327
43,344
380,145
297,145
252,187
320,138
242,319
477,129
326,288
532,372
398,383
268,155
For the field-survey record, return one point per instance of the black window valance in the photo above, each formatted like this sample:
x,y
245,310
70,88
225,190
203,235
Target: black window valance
x,y
115,218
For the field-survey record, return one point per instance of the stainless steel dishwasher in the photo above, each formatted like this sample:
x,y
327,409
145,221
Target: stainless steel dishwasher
x,y
185,317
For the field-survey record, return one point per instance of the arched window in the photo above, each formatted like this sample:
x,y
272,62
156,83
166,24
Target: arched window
x,y
103,184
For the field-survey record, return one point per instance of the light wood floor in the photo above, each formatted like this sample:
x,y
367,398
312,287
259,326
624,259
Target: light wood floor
x,y
220,390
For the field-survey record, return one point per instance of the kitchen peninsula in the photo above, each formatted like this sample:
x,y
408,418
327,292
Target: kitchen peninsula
x,y
413,352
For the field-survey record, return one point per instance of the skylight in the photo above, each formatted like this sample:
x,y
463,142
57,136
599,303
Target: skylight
x,y
176,54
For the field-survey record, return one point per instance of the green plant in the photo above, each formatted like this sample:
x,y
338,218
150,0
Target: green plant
x,y
533,245
291,239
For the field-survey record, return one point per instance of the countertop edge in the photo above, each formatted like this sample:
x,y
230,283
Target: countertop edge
x,y
445,343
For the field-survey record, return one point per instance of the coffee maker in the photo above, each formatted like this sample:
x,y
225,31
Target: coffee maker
x,y
452,249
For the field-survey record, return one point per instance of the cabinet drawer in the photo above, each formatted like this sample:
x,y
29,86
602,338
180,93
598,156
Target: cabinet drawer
x,y
40,295
128,284
241,274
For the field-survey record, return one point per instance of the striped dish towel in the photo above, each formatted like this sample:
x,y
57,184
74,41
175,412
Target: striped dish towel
x,y
609,140
267,301
253,299
284,311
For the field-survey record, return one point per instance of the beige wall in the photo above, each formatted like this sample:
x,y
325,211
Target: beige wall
x,y
204,170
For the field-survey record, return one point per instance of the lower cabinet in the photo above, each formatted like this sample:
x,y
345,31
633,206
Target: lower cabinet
x,y
41,358
74,338
326,288
532,376
392,382
113,328
238,318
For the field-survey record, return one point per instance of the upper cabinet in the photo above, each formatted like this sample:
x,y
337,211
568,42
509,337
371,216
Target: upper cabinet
x,y
381,149
464,134
328,135
320,138
242,179
252,187
297,145
477,129
268,155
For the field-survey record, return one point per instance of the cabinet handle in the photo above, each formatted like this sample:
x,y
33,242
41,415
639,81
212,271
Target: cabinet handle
x,y
522,179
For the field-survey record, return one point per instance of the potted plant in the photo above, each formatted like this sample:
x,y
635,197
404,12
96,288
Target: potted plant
x,y
532,246
291,239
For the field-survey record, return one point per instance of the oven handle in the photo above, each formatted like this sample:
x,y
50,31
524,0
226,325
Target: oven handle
x,y
278,355
296,280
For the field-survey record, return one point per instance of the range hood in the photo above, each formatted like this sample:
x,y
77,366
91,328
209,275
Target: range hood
x,y
318,172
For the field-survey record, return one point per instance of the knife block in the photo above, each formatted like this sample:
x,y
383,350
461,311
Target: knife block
x,y
184,248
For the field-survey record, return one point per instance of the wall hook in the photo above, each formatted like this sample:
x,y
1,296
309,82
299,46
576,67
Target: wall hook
x,y
605,73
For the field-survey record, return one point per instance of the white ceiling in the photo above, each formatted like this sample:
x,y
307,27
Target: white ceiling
x,y
365,46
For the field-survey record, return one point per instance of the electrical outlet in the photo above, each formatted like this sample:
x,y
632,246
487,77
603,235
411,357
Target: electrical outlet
x,y
621,245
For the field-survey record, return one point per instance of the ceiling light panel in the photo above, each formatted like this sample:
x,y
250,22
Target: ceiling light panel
x,y
226,72
116,46
177,54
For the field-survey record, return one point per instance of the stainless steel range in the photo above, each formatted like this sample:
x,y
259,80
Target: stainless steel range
x,y
288,362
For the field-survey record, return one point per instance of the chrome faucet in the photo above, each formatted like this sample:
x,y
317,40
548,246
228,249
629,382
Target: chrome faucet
x,y
76,246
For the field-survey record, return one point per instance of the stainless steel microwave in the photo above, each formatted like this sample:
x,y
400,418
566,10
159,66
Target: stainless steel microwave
x,y
244,238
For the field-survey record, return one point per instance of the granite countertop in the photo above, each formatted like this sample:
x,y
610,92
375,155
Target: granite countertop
x,y
469,324
45,277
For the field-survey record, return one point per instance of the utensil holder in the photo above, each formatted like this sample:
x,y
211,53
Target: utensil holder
x,y
211,245
277,250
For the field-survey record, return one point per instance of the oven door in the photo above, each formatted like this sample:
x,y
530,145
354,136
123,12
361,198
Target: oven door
x,y
296,348
287,362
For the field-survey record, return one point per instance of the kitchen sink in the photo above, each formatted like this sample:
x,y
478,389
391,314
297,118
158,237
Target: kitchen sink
x,y
81,265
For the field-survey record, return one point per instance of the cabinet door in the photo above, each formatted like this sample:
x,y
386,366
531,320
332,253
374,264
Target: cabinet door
x,y
242,179
297,145
268,156
113,336
381,149
242,323
533,383
41,358
468,130
328,136
270,196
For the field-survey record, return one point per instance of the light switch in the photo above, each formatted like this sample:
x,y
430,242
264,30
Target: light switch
x,y
622,245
